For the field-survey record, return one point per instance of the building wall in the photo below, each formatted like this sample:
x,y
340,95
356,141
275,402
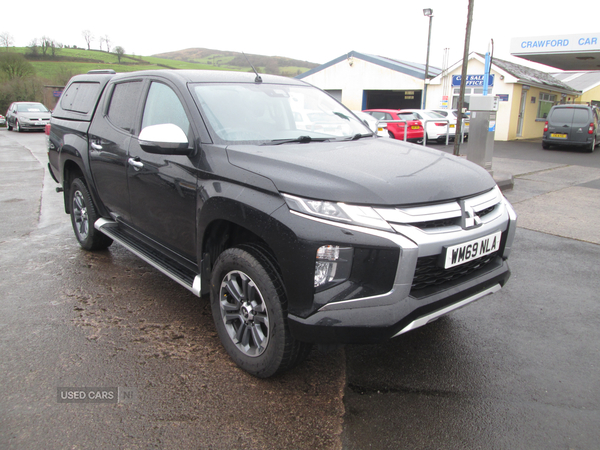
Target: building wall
x,y
507,117
360,76
593,95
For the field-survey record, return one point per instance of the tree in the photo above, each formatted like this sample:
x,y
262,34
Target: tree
x,y
107,42
87,35
6,39
46,44
33,47
120,51
14,65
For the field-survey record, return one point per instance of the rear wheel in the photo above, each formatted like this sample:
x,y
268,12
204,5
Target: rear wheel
x,y
545,146
592,145
8,126
83,216
249,308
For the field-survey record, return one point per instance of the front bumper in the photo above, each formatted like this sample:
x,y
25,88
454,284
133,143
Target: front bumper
x,y
380,317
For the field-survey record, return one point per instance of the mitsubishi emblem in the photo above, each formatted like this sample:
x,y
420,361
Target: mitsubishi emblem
x,y
468,218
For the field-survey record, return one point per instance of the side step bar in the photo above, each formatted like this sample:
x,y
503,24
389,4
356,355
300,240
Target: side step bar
x,y
169,267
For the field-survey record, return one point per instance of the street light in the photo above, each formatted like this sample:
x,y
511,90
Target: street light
x,y
427,12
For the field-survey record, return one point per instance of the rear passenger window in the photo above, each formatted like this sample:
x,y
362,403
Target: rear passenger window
x,y
80,97
123,104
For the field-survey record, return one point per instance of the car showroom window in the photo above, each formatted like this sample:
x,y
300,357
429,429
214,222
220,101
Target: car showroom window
x,y
123,104
545,104
163,106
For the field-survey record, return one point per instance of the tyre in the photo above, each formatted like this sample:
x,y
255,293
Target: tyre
x,y
545,146
8,127
391,135
592,145
17,127
250,313
83,216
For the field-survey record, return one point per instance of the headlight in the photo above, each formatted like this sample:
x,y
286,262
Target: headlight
x,y
340,212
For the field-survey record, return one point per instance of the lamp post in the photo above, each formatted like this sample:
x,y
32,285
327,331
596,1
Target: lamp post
x,y
427,12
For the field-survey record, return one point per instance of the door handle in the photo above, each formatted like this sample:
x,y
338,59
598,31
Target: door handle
x,y
96,146
137,165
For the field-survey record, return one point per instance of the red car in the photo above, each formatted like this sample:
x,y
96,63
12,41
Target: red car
x,y
396,130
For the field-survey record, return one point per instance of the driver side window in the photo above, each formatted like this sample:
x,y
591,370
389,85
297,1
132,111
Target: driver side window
x,y
163,106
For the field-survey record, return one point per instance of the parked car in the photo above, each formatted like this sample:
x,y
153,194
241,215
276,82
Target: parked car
x,y
436,131
574,125
396,130
2,120
382,130
27,116
453,114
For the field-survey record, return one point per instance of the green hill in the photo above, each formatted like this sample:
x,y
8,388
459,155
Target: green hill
x,y
53,69
57,68
219,59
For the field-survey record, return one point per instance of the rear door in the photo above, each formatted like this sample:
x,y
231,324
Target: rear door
x,y
581,124
109,137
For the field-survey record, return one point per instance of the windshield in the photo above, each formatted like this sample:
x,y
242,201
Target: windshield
x,y
31,107
272,112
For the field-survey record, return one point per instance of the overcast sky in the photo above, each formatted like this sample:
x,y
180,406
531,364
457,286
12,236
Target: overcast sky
x,y
311,30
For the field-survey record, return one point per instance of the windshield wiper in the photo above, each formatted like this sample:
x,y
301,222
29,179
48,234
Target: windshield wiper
x,y
358,136
300,139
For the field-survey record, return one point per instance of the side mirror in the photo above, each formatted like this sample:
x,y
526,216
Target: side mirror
x,y
164,139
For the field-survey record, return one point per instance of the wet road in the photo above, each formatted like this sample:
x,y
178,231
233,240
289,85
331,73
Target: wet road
x,y
518,369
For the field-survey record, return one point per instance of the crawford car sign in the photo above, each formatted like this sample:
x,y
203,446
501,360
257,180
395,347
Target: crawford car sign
x,y
554,44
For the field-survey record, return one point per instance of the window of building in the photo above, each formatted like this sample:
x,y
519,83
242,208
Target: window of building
x,y
545,104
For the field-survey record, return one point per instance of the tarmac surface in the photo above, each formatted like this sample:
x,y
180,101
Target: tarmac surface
x,y
518,369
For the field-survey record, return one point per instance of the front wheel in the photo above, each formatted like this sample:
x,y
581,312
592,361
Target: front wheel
x,y
18,128
83,216
250,313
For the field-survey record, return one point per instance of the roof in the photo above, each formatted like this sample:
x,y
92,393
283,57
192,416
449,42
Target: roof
x,y
582,81
527,75
409,68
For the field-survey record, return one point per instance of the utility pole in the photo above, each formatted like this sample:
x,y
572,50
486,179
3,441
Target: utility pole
x,y
463,81
428,12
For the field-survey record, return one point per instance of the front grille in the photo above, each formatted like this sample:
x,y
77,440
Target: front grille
x,y
428,273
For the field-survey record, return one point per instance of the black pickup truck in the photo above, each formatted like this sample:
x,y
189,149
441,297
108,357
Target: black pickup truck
x,y
264,192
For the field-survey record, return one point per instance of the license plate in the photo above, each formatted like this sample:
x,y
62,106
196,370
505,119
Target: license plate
x,y
40,123
557,135
451,125
415,127
467,123
468,251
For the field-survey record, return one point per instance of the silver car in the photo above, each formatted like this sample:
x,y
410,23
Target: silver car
x,y
27,116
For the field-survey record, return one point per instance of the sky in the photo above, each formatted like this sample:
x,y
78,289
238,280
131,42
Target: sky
x,y
317,31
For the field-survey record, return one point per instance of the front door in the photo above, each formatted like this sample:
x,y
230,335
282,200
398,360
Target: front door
x,y
521,113
162,188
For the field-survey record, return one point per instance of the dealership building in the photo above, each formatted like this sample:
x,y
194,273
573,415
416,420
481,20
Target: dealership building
x,y
362,81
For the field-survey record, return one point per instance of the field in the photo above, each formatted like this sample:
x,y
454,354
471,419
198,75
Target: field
x,y
66,62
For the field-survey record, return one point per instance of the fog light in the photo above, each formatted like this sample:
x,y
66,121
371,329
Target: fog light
x,y
324,272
